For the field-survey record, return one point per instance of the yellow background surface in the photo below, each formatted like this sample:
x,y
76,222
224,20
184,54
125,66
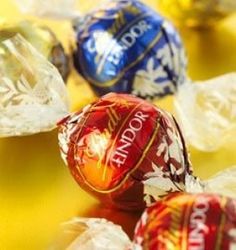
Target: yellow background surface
x,y
37,192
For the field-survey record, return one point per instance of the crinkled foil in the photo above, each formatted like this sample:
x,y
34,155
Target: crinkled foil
x,y
33,96
43,39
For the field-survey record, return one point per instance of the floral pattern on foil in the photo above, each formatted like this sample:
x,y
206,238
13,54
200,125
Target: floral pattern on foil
x,y
154,80
33,96
21,93
162,181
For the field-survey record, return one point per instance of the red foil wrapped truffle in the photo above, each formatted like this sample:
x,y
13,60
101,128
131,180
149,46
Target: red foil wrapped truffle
x,y
186,221
118,145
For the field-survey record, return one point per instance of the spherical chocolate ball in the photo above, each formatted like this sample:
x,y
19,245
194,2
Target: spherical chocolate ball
x,y
188,221
126,47
125,151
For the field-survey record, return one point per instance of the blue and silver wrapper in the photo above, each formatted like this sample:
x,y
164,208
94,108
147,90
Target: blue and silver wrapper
x,y
127,47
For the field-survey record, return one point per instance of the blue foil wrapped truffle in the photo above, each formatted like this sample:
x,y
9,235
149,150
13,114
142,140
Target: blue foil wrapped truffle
x,y
126,47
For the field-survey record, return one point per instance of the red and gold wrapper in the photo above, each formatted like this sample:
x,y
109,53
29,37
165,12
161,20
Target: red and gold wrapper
x,y
117,146
186,221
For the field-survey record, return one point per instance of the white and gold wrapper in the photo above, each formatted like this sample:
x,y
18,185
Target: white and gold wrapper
x,y
33,96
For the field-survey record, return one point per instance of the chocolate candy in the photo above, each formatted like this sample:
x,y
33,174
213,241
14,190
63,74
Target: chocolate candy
x,y
127,47
197,13
43,39
186,221
118,147
33,95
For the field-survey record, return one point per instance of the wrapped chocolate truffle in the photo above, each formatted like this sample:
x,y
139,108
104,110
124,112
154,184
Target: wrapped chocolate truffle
x,y
179,221
186,221
126,47
33,95
200,13
129,153
43,39
113,145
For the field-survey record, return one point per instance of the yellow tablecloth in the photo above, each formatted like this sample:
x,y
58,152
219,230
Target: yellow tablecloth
x,y
37,192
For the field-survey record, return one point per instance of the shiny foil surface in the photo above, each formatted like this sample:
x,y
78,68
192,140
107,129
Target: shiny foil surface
x,y
185,221
33,96
126,47
43,39
117,146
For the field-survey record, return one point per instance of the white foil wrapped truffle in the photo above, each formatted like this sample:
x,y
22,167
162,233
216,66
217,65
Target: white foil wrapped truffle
x,y
33,95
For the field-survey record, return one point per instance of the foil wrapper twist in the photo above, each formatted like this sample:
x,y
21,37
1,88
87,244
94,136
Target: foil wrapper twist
x,y
33,95
179,221
43,39
91,234
58,9
206,112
